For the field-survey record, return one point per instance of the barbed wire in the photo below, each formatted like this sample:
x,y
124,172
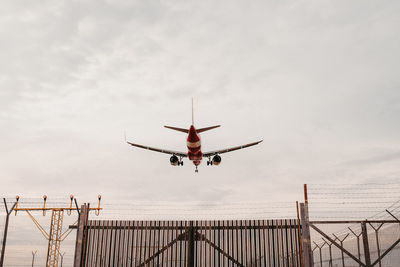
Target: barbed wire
x,y
349,201
353,201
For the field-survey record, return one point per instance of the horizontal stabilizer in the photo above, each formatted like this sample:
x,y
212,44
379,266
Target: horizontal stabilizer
x,y
177,129
207,128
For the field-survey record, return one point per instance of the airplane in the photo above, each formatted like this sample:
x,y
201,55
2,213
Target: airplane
x,y
194,147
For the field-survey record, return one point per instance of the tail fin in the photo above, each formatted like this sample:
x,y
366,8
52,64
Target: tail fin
x,y
207,128
177,129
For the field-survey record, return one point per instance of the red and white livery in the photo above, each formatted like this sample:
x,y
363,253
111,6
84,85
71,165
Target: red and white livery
x,y
193,143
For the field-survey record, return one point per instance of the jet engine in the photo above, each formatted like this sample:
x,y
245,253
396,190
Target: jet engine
x,y
174,160
216,160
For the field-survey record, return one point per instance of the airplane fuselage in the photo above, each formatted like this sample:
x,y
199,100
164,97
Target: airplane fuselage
x,y
194,146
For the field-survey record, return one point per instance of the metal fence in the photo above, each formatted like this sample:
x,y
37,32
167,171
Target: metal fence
x,y
191,243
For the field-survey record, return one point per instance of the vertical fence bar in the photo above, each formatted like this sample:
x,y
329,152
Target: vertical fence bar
x,y
203,243
133,256
209,247
180,246
107,245
167,242
190,245
291,224
199,239
87,244
184,244
222,238
250,244
138,258
268,243
245,243
124,256
116,240
94,246
99,244
273,234
282,234
196,252
150,243
117,231
176,245
278,247
236,246
156,244
214,241
295,243
229,242
86,257
252,238
117,246
287,244
162,242
260,243
241,244
139,224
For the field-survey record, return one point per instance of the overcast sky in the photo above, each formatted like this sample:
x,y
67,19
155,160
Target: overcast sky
x,y
317,80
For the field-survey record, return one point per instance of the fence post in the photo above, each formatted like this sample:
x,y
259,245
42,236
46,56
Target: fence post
x,y
305,237
365,243
190,240
82,221
3,249
33,257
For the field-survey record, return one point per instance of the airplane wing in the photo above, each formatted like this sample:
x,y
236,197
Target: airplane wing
x,y
211,153
171,152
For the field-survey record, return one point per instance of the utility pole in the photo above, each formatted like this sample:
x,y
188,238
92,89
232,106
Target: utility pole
x,y
33,257
8,212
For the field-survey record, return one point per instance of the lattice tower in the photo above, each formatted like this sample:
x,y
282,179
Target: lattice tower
x,y
53,251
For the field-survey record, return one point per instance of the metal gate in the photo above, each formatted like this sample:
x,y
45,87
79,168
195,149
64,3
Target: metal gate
x,y
191,243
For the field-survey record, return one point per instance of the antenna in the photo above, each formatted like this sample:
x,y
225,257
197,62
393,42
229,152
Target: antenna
x,y
192,113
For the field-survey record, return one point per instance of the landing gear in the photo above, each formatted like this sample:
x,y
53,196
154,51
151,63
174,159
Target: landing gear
x,y
180,162
196,170
209,162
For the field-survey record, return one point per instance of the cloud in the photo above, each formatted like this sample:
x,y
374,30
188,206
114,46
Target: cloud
x,y
377,159
317,80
